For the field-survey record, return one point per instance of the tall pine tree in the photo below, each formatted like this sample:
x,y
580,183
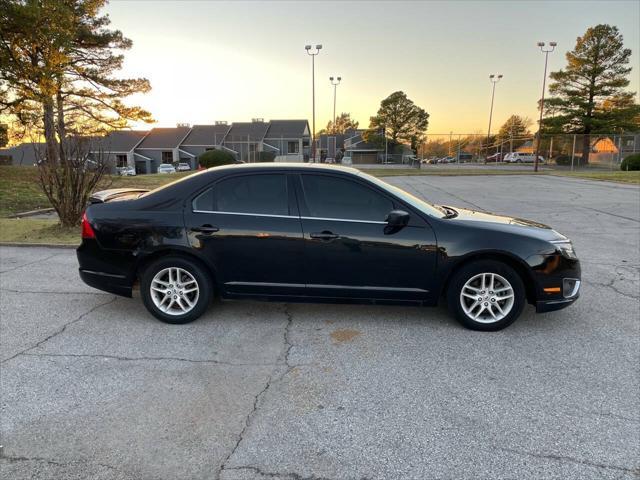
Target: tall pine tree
x,y
57,66
588,96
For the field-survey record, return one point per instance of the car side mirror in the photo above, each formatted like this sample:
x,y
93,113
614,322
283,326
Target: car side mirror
x,y
396,220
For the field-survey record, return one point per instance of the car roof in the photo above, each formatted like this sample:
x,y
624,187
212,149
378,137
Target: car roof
x,y
302,167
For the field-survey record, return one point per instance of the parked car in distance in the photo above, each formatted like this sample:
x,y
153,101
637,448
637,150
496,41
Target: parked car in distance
x,y
318,233
166,168
522,157
496,157
347,160
183,167
447,160
464,157
126,171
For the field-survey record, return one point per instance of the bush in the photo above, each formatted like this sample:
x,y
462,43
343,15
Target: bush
x,y
215,158
632,162
266,156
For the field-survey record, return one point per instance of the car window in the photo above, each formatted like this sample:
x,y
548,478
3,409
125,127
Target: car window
x,y
262,194
333,197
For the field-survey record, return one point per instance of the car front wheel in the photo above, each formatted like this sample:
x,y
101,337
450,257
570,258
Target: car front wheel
x,y
175,289
486,295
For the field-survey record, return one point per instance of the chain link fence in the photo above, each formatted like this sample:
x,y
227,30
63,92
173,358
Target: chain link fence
x,y
562,151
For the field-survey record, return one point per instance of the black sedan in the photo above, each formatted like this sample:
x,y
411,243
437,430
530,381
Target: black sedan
x,y
321,234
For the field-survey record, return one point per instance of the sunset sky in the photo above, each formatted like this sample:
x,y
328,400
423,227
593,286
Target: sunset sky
x,y
236,60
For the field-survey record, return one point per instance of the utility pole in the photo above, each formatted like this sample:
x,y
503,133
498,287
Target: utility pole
x,y
546,51
335,86
493,78
313,54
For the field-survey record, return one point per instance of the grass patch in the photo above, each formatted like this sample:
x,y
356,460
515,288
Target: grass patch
x,y
29,230
632,177
20,190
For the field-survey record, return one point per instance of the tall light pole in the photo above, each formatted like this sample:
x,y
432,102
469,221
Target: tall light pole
x,y
546,51
493,79
313,54
335,86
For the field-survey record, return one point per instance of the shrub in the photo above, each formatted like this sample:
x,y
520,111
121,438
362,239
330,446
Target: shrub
x,y
215,158
266,156
632,162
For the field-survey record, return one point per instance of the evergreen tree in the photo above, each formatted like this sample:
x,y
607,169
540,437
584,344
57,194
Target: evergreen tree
x,y
588,95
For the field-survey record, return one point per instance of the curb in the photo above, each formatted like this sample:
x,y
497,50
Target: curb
x,y
31,213
44,245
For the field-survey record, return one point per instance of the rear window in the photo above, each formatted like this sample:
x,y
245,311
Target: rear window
x,y
259,194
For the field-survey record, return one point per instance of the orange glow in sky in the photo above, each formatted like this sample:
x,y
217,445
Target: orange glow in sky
x,y
235,61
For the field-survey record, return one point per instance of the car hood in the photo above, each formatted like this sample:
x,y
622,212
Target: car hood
x,y
505,223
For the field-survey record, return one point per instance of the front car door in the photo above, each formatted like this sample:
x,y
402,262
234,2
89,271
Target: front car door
x,y
348,251
248,227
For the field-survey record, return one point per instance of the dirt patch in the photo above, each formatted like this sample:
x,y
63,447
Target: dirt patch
x,y
344,335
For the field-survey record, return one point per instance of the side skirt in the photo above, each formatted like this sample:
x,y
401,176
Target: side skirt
x,y
329,300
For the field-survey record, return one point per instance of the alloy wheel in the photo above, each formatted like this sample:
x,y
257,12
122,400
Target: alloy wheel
x,y
174,291
487,298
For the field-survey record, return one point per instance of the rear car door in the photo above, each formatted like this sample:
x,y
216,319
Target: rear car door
x,y
248,227
348,251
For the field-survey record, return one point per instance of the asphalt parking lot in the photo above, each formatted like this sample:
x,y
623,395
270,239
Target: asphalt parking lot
x,y
94,388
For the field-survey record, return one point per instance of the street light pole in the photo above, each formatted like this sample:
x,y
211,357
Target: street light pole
x,y
493,79
546,51
313,54
335,86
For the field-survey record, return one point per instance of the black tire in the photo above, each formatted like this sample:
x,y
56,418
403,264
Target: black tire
x,y
201,276
470,270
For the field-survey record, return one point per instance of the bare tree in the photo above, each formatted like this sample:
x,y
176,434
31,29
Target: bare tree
x,y
68,184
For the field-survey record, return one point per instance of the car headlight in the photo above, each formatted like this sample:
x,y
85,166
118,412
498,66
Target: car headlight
x,y
566,248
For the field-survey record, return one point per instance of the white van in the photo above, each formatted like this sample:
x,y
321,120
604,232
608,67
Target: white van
x,y
522,157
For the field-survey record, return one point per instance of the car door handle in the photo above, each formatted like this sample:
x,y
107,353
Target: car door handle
x,y
205,229
324,235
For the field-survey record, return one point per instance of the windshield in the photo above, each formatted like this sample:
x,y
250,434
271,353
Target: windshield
x,y
426,207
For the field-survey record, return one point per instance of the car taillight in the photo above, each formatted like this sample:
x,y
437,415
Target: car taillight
x,y
87,230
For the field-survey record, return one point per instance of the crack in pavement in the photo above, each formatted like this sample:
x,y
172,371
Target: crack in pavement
x,y
61,330
282,475
31,263
611,214
48,461
284,356
143,359
10,290
563,458
612,287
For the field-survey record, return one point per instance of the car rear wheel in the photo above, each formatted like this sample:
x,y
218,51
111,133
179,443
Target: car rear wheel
x,y
176,289
486,295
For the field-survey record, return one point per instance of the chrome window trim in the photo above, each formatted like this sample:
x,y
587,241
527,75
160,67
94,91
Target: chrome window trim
x,y
290,216
344,220
246,214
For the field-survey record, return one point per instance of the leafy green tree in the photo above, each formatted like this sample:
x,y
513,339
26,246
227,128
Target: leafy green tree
x,y
401,120
57,64
343,123
588,95
514,131
515,127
